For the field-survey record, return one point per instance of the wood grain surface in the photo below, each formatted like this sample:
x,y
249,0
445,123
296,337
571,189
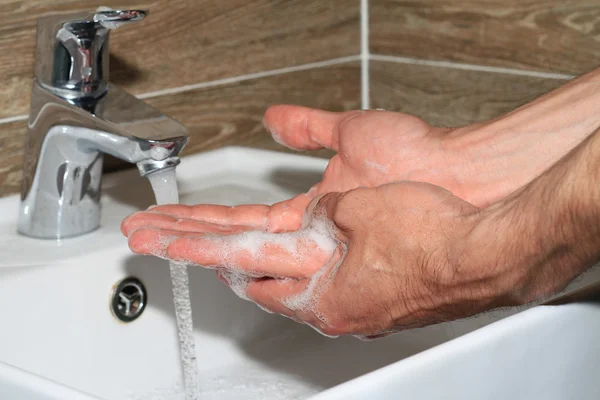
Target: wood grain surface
x,y
546,35
12,142
451,97
184,42
222,115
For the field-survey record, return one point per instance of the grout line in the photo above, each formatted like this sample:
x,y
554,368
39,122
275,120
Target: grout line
x,y
16,118
364,57
225,81
257,75
470,67
364,54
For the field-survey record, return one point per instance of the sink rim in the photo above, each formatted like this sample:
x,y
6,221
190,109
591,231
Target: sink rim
x,y
44,386
539,317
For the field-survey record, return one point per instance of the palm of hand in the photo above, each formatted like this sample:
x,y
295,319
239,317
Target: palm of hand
x,y
376,148
373,148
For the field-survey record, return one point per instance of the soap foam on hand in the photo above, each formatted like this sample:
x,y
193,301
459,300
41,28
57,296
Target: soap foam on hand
x,y
251,252
318,236
305,255
313,238
300,245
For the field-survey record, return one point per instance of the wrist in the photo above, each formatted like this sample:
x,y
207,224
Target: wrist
x,y
482,261
501,155
533,243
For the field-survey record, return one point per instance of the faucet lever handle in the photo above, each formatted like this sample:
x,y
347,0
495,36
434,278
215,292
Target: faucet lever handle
x,y
112,19
72,51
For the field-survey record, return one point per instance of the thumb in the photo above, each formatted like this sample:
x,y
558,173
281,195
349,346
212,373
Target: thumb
x,y
302,128
324,208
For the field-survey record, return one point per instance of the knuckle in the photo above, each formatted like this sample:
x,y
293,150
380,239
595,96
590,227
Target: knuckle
x,y
140,241
134,218
134,242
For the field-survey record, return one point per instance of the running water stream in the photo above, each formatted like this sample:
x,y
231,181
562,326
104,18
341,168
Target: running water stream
x,y
164,185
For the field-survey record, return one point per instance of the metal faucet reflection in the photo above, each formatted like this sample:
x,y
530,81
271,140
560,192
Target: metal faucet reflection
x,y
75,117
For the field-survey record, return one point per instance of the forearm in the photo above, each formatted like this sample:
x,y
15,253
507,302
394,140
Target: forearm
x,y
540,238
517,147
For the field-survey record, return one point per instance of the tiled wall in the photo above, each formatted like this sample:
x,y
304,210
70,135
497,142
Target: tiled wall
x,y
457,61
215,65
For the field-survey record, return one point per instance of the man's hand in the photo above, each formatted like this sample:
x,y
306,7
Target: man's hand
x,y
481,163
368,262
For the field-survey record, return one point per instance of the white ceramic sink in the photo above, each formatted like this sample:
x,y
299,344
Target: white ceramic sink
x,y
59,340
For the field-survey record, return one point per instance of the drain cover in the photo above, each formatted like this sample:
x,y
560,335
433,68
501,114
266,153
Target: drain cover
x,y
129,299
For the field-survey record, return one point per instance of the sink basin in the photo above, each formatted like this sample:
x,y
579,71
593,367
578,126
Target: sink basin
x,y
60,340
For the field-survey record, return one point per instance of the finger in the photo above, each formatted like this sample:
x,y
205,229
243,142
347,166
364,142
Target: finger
x,y
236,281
326,205
153,241
240,284
291,298
322,209
280,217
251,215
305,128
151,219
272,294
284,216
221,277
256,253
288,215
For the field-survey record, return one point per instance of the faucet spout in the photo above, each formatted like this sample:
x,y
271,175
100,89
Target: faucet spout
x,y
70,128
60,195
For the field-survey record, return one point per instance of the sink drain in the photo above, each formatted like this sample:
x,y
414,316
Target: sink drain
x,y
129,299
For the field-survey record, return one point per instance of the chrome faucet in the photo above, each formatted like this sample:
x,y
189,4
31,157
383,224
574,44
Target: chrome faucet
x,y
75,117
